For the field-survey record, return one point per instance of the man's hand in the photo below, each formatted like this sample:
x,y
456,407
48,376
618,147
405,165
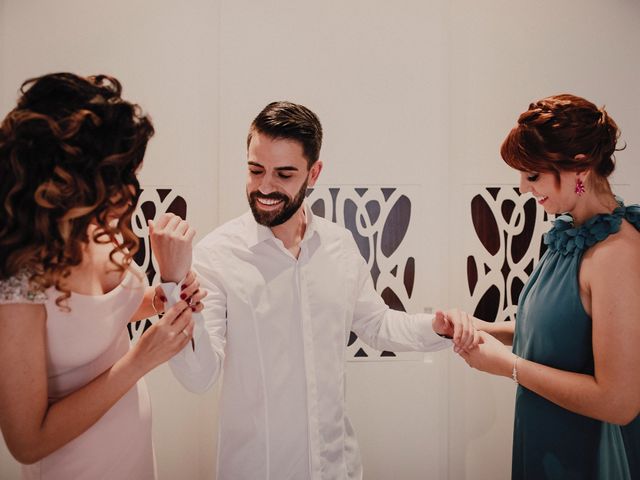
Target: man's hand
x,y
458,326
171,244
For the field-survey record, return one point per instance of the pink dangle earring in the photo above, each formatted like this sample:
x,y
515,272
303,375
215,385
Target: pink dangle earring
x,y
579,187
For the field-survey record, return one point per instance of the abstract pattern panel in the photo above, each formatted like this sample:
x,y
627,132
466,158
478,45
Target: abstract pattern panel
x,y
151,205
507,244
380,220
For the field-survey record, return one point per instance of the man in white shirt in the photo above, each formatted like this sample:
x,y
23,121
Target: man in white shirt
x,y
285,289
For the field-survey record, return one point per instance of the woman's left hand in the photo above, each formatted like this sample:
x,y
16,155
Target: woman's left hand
x,y
490,356
171,239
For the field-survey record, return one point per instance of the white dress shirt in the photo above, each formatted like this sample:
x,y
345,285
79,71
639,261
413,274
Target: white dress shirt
x,y
280,326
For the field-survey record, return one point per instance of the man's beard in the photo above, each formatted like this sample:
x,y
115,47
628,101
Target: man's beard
x,y
276,217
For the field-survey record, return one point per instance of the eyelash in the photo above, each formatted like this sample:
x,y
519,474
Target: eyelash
x,y
260,172
533,177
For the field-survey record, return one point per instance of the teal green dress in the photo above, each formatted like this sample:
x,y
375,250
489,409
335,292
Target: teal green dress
x,y
552,328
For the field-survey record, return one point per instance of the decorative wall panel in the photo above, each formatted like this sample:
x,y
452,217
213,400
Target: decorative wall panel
x,y
505,245
151,205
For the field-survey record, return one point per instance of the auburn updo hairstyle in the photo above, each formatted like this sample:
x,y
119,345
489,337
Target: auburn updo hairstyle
x,y
69,154
556,129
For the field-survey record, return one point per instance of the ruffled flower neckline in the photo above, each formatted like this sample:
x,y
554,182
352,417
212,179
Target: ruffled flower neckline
x,y
567,239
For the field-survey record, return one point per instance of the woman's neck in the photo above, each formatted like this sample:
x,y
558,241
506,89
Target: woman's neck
x,y
594,204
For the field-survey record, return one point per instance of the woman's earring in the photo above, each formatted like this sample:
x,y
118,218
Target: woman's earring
x,y
579,187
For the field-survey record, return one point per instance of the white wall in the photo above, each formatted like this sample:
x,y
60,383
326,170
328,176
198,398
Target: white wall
x,y
410,93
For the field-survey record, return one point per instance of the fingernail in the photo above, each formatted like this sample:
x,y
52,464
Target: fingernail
x,y
164,299
183,286
193,308
183,296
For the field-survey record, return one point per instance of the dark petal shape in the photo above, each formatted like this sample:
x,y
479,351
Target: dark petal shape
x,y
352,338
516,289
138,257
489,305
507,209
334,203
472,274
392,300
485,224
529,268
178,207
387,192
163,192
318,208
395,226
148,210
375,271
350,209
373,209
385,353
361,353
505,269
409,275
520,243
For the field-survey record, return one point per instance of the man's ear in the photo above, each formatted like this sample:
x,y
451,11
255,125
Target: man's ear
x,y
314,173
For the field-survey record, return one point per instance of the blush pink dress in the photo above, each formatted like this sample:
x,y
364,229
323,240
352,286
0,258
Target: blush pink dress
x,y
81,344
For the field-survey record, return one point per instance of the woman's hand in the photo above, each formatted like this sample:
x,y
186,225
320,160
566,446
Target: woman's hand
x,y
458,326
171,245
165,338
192,293
490,356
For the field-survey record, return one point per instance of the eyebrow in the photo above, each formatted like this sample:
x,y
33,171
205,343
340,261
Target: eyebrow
x,y
280,169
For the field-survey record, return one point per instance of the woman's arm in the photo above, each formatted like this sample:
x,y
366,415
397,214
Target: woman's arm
x,y
503,331
31,427
152,304
612,394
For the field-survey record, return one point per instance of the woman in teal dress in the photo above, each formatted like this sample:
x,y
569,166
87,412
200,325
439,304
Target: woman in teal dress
x,y
576,341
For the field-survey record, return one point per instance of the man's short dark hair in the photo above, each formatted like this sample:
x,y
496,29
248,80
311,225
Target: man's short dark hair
x,y
290,121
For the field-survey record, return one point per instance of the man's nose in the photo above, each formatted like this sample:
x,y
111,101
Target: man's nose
x,y
266,185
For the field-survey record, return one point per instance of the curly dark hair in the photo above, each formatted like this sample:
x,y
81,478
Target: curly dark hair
x,y
557,129
69,154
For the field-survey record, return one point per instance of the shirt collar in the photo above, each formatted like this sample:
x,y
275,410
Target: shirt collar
x,y
257,233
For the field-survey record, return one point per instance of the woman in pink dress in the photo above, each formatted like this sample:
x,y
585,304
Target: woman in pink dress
x,y
73,404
